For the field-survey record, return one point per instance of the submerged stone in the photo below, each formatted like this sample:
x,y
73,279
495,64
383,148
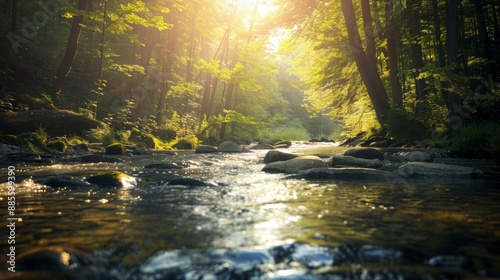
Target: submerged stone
x,y
205,149
427,169
352,161
273,156
352,173
229,147
294,165
64,181
189,182
366,153
51,259
112,179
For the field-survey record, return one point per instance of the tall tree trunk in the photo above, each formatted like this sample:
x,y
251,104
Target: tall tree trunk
x,y
414,29
484,38
167,76
371,53
71,47
368,72
227,106
396,90
437,34
453,101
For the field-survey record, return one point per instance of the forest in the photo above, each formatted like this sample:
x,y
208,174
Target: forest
x,y
185,72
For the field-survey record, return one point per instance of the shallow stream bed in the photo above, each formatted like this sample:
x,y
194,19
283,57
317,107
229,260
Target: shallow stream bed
x,y
254,225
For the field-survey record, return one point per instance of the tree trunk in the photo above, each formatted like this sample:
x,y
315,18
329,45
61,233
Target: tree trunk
x,y
71,47
396,90
453,101
368,72
484,38
413,7
371,53
173,38
227,106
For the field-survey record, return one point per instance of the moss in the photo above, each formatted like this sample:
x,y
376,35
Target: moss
x,y
116,149
38,140
183,144
111,179
57,145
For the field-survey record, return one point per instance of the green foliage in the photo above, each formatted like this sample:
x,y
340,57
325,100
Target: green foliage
x,y
104,135
293,130
402,125
474,140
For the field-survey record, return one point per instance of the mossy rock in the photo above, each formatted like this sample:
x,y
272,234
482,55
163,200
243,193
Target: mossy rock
x,y
116,149
149,142
58,145
112,179
183,144
33,138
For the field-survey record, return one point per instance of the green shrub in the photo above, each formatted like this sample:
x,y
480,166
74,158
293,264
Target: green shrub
x,y
293,130
183,144
474,140
401,125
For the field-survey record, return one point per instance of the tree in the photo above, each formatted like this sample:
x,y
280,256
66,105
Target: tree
x,y
72,45
366,68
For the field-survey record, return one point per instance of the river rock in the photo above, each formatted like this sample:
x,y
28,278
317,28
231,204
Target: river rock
x,y
283,143
113,179
427,169
352,161
273,156
229,147
94,159
417,156
63,181
366,153
262,147
205,149
51,259
351,173
189,182
294,165
116,149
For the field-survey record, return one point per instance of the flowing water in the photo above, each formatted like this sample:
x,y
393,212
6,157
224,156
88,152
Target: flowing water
x,y
254,225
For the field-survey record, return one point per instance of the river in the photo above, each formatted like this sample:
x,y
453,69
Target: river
x,y
254,225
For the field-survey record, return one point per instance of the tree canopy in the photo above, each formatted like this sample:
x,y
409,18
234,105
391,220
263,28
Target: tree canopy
x,y
245,69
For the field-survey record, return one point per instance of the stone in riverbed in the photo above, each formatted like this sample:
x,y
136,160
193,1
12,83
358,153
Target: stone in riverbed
x,y
229,147
262,147
336,160
366,153
189,182
201,149
63,181
417,156
351,173
51,259
294,165
427,169
116,149
94,159
112,179
273,156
